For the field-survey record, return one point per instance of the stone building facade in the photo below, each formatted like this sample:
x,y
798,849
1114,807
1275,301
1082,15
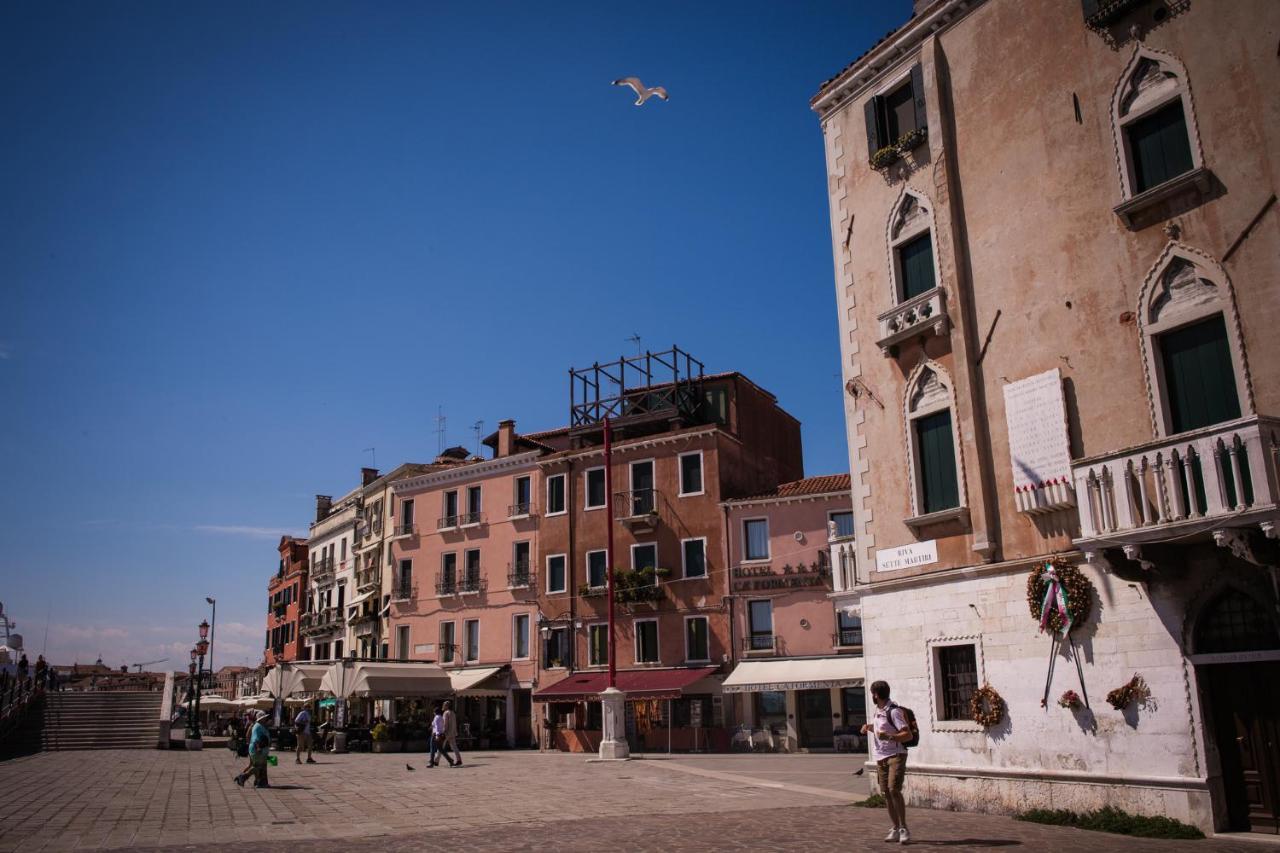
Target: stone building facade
x,y
1056,286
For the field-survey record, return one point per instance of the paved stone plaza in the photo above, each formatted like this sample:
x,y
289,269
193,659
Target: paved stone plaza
x,y
498,801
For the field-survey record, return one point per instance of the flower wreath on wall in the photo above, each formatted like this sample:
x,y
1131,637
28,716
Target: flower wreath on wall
x,y
1060,597
986,706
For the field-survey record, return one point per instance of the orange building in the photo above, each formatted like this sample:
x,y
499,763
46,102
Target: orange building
x,y
286,597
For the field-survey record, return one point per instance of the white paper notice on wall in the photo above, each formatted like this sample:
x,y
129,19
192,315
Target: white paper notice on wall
x,y
907,556
424,648
1039,450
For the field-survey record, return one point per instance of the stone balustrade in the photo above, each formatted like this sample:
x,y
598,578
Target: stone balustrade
x,y
915,316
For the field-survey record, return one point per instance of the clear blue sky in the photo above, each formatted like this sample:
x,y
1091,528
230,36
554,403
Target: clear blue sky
x,y
240,243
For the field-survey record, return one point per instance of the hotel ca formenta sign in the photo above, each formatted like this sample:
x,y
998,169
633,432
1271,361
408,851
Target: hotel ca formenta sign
x,y
760,578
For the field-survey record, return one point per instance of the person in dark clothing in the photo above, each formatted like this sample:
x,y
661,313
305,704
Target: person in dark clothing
x,y
23,667
42,671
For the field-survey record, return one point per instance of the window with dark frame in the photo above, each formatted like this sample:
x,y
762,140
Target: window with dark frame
x,y
1199,377
936,461
556,648
958,679
597,575
695,558
755,539
760,625
520,642
473,640
850,629
522,496
890,116
646,642
555,494
915,266
1159,146
597,645
555,573
697,641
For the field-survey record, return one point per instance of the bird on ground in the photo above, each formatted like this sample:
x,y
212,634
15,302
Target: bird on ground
x,y
641,91
409,767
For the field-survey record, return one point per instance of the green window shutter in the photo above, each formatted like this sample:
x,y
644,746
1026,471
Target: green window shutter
x,y
1198,375
915,260
1160,146
873,116
937,461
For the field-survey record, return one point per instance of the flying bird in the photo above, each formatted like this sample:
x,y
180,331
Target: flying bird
x,y
641,91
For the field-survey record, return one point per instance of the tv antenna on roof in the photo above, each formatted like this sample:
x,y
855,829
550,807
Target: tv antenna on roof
x,y
439,430
478,426
635,339
373,456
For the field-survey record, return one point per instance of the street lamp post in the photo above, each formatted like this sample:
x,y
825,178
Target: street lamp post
x,y
193,733
202,648
613,741
213,628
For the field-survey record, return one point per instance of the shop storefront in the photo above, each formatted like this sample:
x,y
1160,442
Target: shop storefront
x,y
800,704
667,710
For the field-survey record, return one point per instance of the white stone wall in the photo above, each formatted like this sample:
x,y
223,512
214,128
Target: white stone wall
x,y
1147,760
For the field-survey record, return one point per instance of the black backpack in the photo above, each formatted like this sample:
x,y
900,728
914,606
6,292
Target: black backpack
x,y
910,716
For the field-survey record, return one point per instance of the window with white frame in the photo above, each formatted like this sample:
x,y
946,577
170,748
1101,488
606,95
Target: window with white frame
x,y
755,539
597,569
932,441
842,523
760,625
1154,122
697,639
645,557
646,641
449,516
471,570
643,498
598,644
472,630
911,246
691,474
693,553
593,488
522,497
1194,355
555,495
447,583
557,576
474,505
448,642
520,636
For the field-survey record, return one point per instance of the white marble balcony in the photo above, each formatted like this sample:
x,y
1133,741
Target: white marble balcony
x,y
915,316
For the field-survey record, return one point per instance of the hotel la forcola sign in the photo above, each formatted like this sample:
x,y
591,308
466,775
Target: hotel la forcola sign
x,y
907,556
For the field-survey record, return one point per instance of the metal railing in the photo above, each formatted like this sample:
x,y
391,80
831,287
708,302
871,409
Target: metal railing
x,y
520,510
635,503
410,529
368,578
468,519
404,590
448,522
518,575
448,651
760,643
470,581
446,584
847,637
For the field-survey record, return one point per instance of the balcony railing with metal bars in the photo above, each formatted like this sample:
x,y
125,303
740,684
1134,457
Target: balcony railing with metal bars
x,y
409,529
448,652
521,510
470,581
448,522
518,575
470,519
368,579
847,637
760,643
404,590
636,503
446,584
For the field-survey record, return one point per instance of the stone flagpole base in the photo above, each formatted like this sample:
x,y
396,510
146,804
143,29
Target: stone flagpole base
x,y
613,746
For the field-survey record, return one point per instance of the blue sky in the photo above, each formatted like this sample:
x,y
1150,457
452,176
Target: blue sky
x,y
241,243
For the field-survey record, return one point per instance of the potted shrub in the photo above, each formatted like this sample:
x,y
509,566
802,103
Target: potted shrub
x,y
382,742
885,157
911,139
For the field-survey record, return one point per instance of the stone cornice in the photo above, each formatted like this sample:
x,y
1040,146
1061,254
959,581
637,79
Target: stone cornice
x,y
463,473
941,576
853,81
765,501
642,444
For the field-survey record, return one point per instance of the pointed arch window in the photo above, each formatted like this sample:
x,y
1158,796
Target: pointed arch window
x,y
1156,136
933,453
918,302
1194,357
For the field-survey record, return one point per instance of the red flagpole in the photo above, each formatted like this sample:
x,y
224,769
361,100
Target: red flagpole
x,y
608,554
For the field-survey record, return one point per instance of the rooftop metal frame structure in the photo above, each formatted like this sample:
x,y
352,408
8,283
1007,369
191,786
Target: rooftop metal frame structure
x,y
651,386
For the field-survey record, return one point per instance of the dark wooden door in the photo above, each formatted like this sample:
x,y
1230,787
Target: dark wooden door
x,y
1247,712
814,719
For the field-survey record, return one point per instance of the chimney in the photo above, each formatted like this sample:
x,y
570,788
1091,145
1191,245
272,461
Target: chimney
x,y
506,438
323,504
368,475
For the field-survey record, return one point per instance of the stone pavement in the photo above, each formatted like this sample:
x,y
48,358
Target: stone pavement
x,y
499,800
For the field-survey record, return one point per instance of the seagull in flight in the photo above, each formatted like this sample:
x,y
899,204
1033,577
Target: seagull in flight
x,y
641,91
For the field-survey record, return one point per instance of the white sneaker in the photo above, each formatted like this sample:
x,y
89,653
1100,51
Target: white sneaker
x,y
893,835
903,835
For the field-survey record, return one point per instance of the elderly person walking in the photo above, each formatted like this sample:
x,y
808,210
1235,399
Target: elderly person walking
x,y
451,734
259,750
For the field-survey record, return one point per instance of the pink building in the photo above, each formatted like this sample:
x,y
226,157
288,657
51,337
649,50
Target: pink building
x,y
798,683
463,586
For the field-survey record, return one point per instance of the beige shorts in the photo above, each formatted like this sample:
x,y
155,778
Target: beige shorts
x,y
890,772
304,741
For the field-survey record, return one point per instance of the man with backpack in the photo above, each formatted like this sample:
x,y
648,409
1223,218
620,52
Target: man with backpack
x,y
892,728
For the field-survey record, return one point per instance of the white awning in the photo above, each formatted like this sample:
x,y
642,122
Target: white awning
x,y
758,676
359,599
211,702
470,682
288,678
385,680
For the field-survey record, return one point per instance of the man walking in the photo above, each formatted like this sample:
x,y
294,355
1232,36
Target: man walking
x,y
302,730
888,729
451,734
259,748
437,739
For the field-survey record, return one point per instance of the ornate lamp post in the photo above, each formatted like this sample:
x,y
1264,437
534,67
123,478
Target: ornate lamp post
x,y
193,729
202,648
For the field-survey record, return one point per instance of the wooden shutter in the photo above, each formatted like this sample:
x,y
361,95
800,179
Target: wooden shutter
x,y
915,261
1198,375
873,112
917,90
1161,148
937,460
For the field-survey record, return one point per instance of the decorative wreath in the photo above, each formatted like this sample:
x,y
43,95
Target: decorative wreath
x,y
1136,690
986,707
1062,590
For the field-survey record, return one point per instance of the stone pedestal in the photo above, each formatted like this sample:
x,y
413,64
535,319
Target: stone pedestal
x,y
613,746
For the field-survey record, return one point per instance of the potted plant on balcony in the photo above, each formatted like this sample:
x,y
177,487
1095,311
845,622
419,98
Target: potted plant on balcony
x,y
911,139
885,157
382,742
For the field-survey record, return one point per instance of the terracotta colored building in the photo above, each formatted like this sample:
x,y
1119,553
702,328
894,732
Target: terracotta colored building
x,y
679,448
798,683
286,603
1056,247
462,591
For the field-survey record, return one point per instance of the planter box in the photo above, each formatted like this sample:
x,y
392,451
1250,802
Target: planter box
x,y
386,746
